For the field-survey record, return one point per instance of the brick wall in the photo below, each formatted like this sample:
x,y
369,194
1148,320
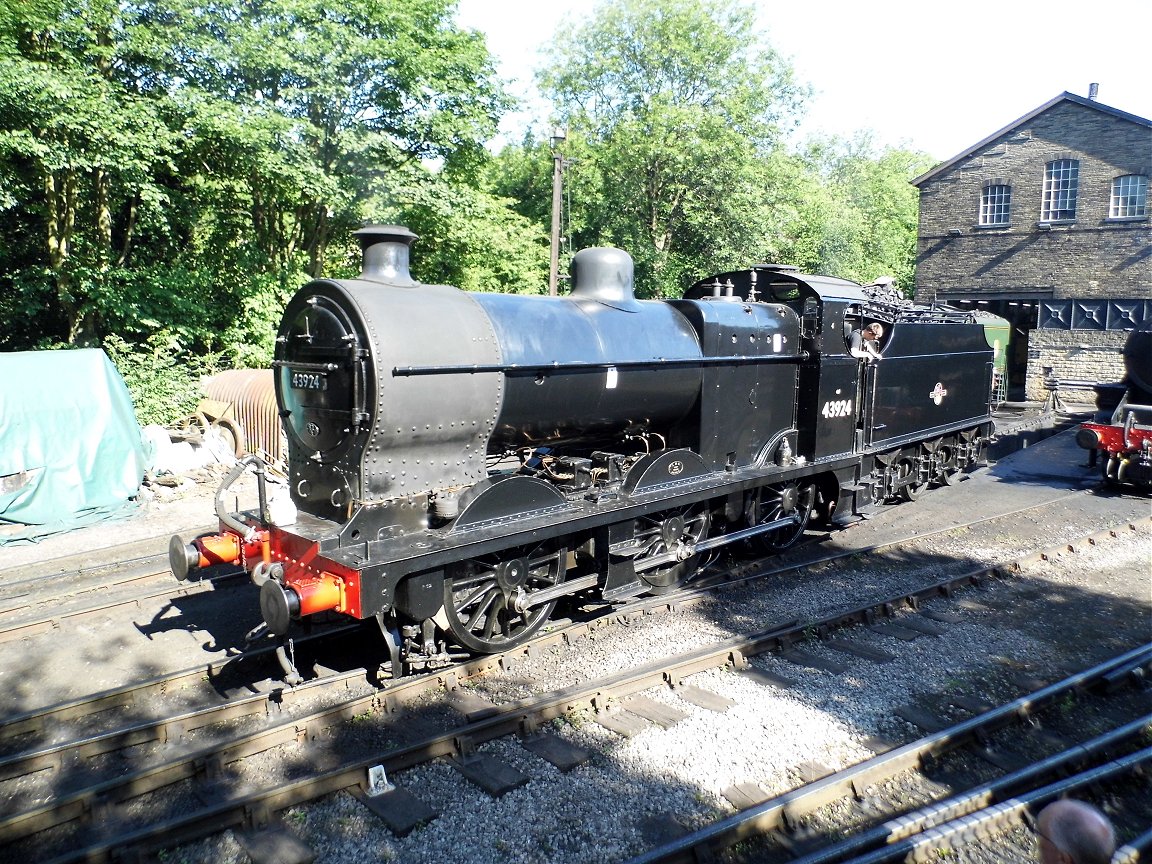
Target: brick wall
x,y
1091,258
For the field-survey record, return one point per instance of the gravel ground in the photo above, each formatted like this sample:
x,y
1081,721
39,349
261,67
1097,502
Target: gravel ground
x,y
1058,615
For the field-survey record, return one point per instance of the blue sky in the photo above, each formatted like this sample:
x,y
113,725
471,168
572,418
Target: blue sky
x,y
937,77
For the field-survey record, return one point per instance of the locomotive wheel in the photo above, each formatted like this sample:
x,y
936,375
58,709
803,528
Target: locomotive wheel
x,y
664,533
486,598
791,500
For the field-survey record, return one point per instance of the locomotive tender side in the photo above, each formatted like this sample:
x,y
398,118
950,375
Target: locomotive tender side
x,y
460,462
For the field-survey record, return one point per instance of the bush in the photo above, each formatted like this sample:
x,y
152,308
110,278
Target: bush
x,y
163,378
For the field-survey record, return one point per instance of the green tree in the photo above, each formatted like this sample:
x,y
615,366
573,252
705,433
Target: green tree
x,y
673,107
472,238
859,212
80,143
170,164
332,102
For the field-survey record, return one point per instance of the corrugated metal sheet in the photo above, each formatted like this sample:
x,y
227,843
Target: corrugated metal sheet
x,y
252,393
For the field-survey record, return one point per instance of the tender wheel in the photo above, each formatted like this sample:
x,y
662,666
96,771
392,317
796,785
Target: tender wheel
x,y
487,600
946,474
790,501
667,537
907,491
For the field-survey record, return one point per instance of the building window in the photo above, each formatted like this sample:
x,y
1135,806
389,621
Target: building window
x,y
1060,181
995,204
1129,197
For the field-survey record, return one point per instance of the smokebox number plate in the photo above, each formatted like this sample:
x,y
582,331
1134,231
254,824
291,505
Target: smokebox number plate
x,y
309,381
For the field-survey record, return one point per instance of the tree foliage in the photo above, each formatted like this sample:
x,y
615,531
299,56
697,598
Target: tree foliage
x,y
178,168
675,104
851,210
677,113
169,164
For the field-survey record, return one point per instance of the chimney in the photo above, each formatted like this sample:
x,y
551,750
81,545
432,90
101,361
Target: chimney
x,y
385,253
1093,89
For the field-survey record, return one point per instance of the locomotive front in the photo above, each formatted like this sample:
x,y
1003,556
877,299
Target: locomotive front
x,y
1124,442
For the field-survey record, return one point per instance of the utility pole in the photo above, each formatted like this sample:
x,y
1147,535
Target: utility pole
x,y
556,139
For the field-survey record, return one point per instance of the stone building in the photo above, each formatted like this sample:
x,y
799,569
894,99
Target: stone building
x,y
1046,223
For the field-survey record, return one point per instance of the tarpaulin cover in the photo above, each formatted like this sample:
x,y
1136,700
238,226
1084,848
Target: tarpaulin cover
x,y
70,447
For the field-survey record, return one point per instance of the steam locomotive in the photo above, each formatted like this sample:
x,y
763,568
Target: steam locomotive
x,y
1123,440
460,462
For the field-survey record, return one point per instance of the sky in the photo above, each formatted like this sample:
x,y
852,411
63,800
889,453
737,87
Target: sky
x,y
929,76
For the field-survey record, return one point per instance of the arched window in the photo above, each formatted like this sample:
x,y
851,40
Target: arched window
x,y
1129,197
995,204
1061,179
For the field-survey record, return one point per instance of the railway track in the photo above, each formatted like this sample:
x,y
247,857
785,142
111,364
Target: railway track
x,y
224,674
956,818
92,577
24,617
76,809
53,721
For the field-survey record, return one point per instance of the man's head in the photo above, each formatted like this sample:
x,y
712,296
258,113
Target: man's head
x,y
873,331
1072,832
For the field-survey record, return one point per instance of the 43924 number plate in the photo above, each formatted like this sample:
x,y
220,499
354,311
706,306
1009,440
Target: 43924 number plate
x,y
309,381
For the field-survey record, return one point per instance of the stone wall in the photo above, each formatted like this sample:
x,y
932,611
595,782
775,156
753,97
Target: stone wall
x,y
1074,355
1090,257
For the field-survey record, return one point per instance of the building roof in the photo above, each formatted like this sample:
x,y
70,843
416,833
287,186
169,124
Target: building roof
x,y
1063,97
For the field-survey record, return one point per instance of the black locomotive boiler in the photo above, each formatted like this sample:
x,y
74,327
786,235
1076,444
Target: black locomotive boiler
x,y
462,461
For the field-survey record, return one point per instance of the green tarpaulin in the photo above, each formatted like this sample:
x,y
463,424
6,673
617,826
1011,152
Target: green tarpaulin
x,y
70,446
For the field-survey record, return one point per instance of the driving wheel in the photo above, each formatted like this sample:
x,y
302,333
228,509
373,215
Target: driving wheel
x,y
791,501
488,601
669,537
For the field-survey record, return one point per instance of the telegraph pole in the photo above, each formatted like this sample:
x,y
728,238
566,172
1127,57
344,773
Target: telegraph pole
x,y
556,139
